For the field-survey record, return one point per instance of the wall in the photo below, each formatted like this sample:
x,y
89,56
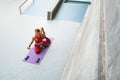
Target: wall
x,y
83,61
112,24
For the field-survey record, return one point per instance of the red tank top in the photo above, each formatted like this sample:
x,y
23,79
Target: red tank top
x,y
38,39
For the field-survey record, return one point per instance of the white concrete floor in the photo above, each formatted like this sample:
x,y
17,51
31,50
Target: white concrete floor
x,y
15,34
39,8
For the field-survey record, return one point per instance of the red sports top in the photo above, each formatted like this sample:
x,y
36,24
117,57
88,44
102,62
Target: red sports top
x,y
38,39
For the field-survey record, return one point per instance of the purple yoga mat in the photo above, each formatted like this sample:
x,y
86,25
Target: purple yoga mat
x,y
36,58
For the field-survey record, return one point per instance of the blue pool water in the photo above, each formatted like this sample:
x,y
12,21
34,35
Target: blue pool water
x,y
68,11
78,0
72,12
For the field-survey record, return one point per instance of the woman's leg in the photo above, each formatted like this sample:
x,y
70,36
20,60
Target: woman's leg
x,y
46,42
38,49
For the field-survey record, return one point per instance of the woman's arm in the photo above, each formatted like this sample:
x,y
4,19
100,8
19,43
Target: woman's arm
x,y
42,30
31,43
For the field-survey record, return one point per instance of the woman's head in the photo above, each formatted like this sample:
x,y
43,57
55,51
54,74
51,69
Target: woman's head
x,y
37,32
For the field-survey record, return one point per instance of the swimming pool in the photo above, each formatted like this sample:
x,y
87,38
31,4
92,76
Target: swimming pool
x,y
78,0
72,12
68,11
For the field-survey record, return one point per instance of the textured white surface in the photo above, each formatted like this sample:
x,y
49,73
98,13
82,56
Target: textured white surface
x,y
112,25
15,34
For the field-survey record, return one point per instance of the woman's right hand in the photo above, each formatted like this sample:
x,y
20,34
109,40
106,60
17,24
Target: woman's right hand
x,y
28,47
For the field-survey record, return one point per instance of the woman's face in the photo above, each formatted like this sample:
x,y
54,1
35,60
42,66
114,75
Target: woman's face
x,y
37,33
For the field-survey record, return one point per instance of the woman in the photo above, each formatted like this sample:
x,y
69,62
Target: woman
x,y
40,39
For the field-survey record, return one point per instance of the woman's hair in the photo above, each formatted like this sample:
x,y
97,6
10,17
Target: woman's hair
x,y
37,30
